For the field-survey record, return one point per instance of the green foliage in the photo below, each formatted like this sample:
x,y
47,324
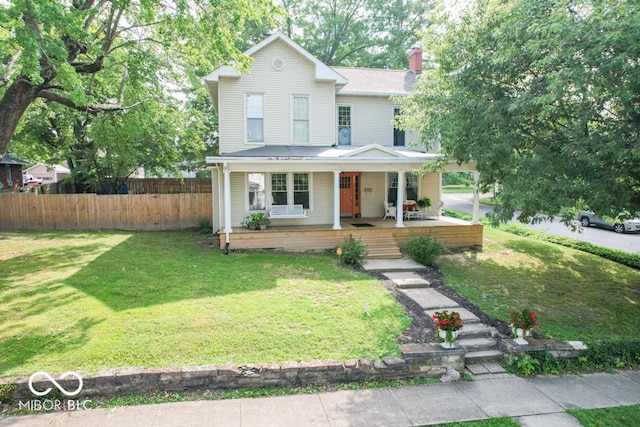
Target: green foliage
x,y
489,422
368,33
255,220
526,365
353,251
424,249
602,355
82,57
457,178
457,214
204,225
6,393
424,203
543,96
619,416
625,258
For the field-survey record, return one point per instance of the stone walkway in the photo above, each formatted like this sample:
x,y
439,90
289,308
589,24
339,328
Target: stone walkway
x,y
477,338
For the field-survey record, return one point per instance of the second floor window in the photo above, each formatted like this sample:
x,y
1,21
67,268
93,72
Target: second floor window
x,y
344,124
398,134
300,119
255,117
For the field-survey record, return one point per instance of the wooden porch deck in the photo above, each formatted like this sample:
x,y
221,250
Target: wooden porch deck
x,y
451,232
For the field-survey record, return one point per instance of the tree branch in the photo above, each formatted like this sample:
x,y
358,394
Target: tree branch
x,y
94,109
7,74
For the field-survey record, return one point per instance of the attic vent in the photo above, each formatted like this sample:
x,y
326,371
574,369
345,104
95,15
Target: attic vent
x,y
277,64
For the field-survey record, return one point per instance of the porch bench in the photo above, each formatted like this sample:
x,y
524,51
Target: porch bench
x,y
287,211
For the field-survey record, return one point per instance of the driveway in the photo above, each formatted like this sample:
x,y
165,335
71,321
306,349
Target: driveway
x,y
463,202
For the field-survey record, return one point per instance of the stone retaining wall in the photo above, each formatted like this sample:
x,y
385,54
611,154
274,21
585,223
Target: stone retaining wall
x,y
419,360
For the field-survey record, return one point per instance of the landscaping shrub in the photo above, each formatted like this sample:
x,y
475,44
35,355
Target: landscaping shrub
x,y
603,355
353,251
204,225
424,249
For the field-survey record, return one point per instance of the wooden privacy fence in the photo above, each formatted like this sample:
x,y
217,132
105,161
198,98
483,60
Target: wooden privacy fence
x,y
27,211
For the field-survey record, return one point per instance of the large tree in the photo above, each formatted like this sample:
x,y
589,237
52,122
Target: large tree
x,y
364,33
545,97
57,49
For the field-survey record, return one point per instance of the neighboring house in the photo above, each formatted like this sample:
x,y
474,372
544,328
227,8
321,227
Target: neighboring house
x,y
312,146
11,173
48,173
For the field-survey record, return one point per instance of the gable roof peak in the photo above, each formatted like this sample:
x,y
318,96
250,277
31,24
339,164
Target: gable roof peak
x,y
322,71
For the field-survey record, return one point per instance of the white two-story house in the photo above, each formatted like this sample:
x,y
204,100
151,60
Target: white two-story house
x,y
315,148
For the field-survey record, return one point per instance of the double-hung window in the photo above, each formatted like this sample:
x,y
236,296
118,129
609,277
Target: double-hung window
x,y
301,189
398,134
410,187
255,117
300,119
283,188
344,124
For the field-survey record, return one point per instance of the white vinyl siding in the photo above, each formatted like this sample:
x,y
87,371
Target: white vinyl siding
x,y
297,77
373,121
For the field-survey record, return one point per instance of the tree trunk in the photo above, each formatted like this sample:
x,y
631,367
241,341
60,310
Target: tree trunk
x,y
15,101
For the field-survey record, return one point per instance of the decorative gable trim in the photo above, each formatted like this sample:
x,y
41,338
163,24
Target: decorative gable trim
x,y
323,72
374,150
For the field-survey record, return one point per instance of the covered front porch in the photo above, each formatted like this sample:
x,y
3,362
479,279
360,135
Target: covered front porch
x,y
379,235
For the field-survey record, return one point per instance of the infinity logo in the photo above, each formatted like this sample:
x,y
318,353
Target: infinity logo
x,y
55,383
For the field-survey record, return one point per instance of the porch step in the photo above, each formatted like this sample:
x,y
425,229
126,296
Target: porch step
x,y
477,344
477,330
381,245
483,356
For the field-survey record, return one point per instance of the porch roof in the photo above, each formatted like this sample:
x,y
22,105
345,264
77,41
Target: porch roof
x,y
350,154
330,158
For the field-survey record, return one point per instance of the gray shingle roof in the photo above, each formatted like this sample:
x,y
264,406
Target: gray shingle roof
x,y
376,81
8,160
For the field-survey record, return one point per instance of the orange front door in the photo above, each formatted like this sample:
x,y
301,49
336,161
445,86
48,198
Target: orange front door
x,y
350,194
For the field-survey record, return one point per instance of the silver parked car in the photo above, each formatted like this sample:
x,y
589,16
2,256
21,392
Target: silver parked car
x,y
588,218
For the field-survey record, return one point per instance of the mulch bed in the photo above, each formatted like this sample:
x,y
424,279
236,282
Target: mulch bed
x,y
421,329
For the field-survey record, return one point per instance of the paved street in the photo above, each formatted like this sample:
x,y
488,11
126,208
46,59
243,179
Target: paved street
x,y
463,202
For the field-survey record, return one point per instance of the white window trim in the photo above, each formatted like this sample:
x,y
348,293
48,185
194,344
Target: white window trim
x,y
247,205
404,187
264,118
393,117
351,114
301,95
290,189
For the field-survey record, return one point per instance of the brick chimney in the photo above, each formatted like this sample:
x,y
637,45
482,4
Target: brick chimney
x,y
415,60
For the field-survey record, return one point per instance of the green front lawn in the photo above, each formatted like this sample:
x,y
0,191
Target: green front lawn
x,y
86,301
577,296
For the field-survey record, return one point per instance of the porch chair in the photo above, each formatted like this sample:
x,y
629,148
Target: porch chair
x,y
389,210
434,209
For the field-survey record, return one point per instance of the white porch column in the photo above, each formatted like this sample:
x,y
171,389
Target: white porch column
x,y
227,202
400,200
336,200
476,199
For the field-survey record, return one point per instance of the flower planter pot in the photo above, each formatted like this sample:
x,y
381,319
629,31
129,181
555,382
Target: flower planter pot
x,y
443,336
263,226
519,333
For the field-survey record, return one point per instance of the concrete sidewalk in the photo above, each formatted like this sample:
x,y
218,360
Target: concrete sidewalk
x,y
532,402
